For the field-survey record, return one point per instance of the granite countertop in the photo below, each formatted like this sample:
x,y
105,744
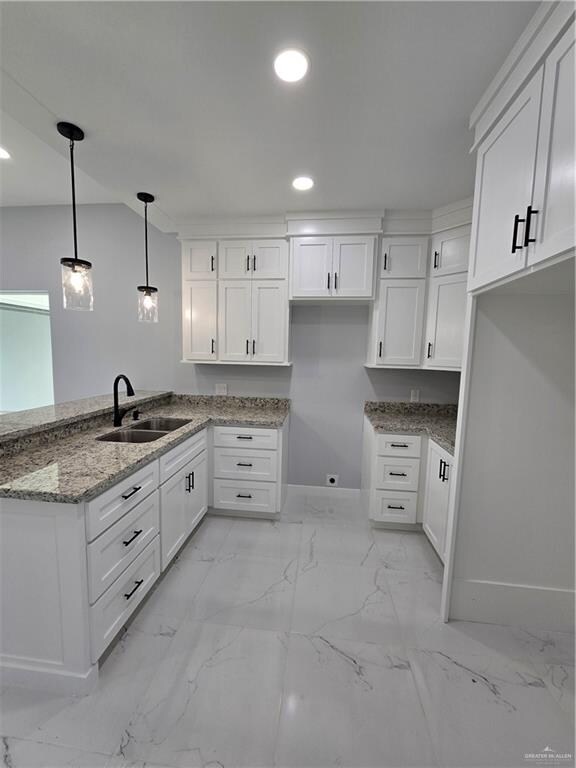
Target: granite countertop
x,y
69,465
436,421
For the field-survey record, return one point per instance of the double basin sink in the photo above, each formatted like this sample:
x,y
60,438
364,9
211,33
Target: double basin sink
x,y
144,431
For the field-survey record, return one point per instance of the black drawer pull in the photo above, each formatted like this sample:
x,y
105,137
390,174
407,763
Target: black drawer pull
x,y
244,437
132,492
136,534
515,246
394,506
243,464
138,583
243,495
398,474
399,445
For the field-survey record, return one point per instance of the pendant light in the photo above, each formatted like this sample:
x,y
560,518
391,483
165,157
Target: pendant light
x,y
148,295
76,273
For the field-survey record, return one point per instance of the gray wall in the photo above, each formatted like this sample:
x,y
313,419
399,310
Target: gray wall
x,y
327,383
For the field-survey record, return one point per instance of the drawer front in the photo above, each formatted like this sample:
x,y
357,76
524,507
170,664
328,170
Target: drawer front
x,y
116,605
396,474
245,495
248,437
399,445
245,464
106,509
120,544
178,457
393,507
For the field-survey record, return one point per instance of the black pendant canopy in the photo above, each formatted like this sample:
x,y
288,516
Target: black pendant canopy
x,y
73,134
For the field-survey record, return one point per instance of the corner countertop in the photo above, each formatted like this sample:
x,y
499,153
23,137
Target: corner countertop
x,y
68,465
436,421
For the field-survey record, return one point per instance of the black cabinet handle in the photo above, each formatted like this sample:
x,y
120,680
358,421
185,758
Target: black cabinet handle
x,y
515,246
132,492
188,488
440,469
399,445
394,506
138,583
253,346
243,495
328,280
254,263
429,353
398,474
213,346
132,538
436,255
248,263
211,263
247,346
380,349
243,464
527,239
244,437
444,476
385,265
192,481
335,281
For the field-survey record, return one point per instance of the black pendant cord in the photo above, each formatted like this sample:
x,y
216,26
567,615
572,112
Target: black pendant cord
x,y
146,240
73,200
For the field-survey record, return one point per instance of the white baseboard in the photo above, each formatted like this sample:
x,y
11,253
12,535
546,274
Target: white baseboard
x,y
521,605
65,683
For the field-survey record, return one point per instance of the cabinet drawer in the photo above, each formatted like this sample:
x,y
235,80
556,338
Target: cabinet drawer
x,y
178,457
397,474
110,506
245,495
399,445
245,437
118,546
245,464
113,609
393,507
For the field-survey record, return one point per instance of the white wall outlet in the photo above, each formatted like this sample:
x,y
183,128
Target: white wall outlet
x,y
221,389
414,395
332,480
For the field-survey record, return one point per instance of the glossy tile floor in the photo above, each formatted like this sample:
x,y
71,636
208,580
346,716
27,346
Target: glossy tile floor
x,y
311,642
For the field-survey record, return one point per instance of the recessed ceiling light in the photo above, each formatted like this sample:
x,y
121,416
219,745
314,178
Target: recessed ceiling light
x,y
303,183
3,154
291,65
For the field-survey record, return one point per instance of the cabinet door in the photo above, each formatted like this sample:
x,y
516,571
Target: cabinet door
x,y
400,318
445,323
196,487
235,259
353,266
269,259
437,490
199,259
174,515
505,172
234,315
269,321
556,170
450,251
404,256
200,319
311,267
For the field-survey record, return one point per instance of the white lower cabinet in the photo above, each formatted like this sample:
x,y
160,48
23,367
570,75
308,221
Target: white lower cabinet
x,y
245,495
444,337
436,495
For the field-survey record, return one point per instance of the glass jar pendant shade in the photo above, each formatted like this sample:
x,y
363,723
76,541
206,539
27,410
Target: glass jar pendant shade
x,y
76,273
147,294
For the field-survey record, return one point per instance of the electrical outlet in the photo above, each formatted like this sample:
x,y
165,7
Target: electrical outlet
x,y
221,389
414,395
332,480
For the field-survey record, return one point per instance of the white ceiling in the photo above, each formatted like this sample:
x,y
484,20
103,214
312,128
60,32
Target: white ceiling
x,y
180,99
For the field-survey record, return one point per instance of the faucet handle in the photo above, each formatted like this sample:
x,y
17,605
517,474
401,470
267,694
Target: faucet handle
x,y
136,415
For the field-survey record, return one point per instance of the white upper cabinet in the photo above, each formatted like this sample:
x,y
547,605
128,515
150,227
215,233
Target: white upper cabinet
x,y
449,252
332,267
398,320
253,259
234,320
353,266
556,168
269,335
404,257
444,338
199,319
199,259
505,172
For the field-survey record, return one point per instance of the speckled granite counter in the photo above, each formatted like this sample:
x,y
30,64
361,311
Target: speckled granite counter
x,y
69,465
436,421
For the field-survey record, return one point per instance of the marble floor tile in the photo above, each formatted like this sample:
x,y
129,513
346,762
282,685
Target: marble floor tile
x,y
215,700
346,601
207,539
336,544
247,592
261,538
559,679
17,753
350,704
406,551
176,590
323,507
488,711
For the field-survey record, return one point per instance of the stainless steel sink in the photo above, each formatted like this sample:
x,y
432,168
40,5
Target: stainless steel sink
x,y
160,423
132,436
